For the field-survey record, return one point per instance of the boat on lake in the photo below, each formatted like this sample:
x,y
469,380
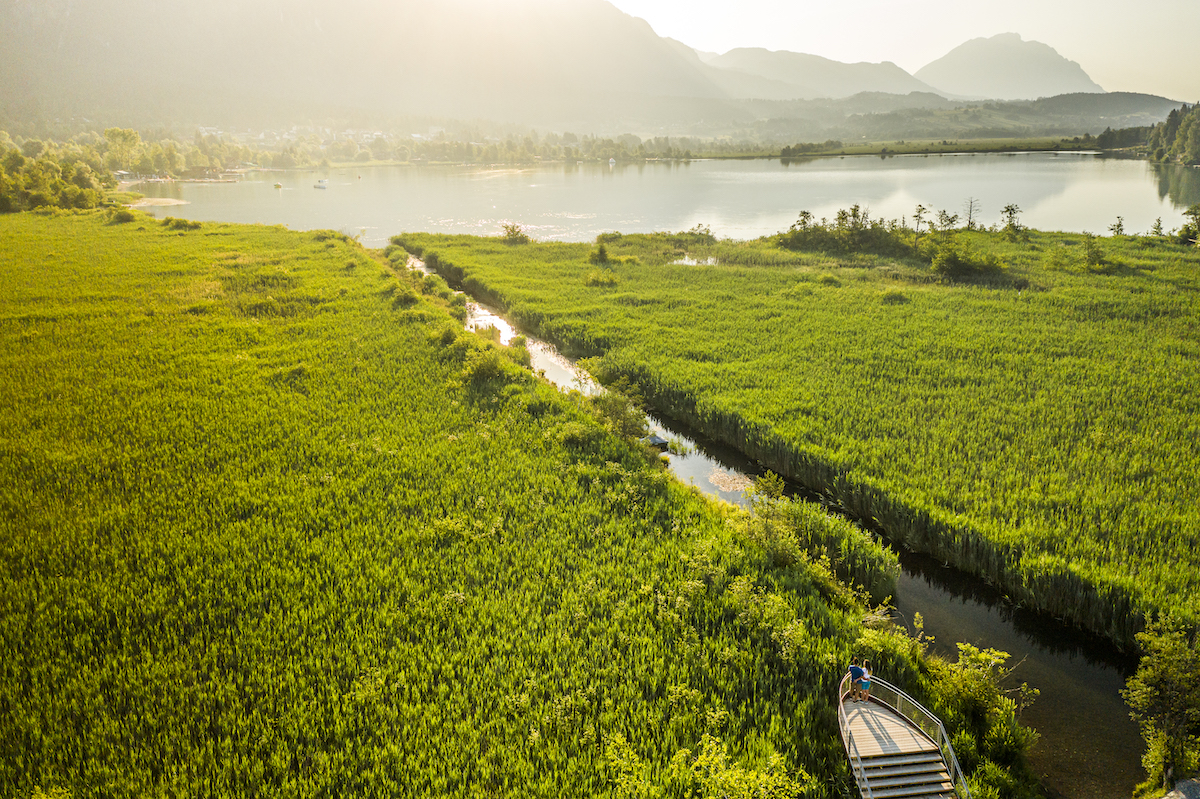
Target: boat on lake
x,y
279,185
323,183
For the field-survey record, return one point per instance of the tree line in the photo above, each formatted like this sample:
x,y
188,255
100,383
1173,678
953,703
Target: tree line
x,y
1175,139
37,175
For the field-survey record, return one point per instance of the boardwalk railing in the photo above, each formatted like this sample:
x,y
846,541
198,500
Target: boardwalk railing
x,y
890,696
856,765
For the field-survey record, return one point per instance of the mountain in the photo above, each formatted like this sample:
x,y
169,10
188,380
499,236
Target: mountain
x,y
568,65
1005,67
535,61
798,76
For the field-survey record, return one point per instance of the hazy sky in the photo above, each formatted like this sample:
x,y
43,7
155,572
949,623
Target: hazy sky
x,y
1149,46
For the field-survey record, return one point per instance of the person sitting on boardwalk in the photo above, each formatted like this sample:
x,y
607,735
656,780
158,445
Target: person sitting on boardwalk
x,y
866,681
856,675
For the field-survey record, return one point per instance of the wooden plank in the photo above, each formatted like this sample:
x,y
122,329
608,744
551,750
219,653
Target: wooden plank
x,y
879,731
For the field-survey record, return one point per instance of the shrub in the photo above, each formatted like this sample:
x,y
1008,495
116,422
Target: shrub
x,y
1093,256
171,223
948,258
600,277
515,234
852,231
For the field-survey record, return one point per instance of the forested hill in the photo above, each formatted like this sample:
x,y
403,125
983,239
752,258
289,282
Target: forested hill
x,y
1178,137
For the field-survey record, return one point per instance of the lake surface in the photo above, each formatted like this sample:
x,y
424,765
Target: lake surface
x,y
741,199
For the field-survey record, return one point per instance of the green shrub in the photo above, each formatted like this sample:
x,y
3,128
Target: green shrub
x,y
172,223
515,234
600,277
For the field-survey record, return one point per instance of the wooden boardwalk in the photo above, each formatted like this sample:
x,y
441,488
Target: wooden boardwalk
x,y
879,731
891,757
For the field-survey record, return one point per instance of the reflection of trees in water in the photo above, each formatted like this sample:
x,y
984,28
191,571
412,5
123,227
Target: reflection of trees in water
x,y
1179,183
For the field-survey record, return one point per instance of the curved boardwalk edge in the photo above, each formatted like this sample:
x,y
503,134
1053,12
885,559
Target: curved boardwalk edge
x,y
897,748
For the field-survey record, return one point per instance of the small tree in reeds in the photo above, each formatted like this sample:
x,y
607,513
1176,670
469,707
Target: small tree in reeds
x,y
1013,230
515,234
1164,695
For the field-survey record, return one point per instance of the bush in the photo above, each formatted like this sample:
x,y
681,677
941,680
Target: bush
x,y
852,231
515,234
1093,256
948,258
599,255
171,223
600,277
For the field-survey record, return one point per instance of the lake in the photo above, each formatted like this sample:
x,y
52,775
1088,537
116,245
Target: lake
x,y
740,199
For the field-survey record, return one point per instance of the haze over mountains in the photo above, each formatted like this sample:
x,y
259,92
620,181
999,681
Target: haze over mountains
x,y
580,65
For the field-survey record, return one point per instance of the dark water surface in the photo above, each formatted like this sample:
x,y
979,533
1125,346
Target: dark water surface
x,y
1089,746
741,199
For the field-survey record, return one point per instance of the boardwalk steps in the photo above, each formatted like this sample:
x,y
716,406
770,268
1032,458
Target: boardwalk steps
x,y
897,748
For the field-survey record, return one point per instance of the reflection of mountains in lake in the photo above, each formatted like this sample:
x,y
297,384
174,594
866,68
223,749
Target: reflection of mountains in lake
x,y
1180,184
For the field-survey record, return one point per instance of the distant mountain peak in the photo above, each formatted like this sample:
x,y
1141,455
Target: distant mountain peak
x,y
1006,67
786,75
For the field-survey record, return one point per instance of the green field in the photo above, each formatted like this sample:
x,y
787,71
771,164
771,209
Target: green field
x,y
1034,422
272,524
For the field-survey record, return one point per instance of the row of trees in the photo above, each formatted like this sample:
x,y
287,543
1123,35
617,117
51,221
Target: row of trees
x,y
164,155
58,176
1178,137
1175,139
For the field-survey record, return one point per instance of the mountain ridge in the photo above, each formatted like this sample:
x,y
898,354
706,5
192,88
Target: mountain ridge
x,y
587,67
1006,67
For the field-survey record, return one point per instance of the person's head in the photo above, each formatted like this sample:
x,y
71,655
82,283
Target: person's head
x,y
866,664
853,661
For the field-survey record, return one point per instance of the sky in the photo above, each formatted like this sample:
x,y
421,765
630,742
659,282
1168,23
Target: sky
x,y
1151,46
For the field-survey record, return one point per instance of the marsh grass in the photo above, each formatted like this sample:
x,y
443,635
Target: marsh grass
x,y
1033,423
272,522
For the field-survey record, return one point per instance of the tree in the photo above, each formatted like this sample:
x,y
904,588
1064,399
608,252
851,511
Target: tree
x,y
1013,229
971,210
1190,232
123,144
1164,695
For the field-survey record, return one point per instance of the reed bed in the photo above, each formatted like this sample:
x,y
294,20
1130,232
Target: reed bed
x,y
273,523
1034,425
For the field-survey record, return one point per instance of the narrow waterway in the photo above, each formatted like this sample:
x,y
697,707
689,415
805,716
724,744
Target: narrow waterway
x,y
1089,748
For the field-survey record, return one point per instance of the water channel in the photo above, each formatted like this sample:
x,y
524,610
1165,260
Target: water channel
x,y
1089,746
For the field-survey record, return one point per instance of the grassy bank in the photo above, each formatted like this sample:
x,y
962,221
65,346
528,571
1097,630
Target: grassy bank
x,y
951,146
271,522
1031,421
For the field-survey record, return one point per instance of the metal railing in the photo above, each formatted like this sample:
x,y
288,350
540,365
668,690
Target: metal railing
x,y
856,765
892,697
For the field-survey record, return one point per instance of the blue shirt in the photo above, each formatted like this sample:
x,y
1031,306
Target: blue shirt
x,y
856,673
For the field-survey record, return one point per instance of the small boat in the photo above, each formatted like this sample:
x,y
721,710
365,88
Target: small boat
x,y
656,441
612,162
279,185
323,183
